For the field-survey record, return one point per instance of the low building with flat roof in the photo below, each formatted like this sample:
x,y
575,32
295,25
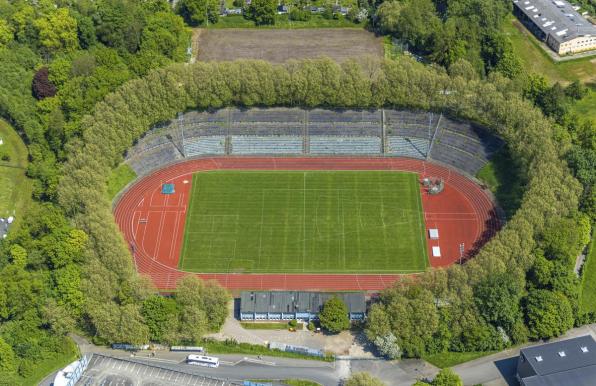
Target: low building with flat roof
x,y
570,362
558,24
288,305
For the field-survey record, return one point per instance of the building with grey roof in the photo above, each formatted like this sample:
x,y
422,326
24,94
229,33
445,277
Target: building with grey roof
x,y
570,362
288,305
558,24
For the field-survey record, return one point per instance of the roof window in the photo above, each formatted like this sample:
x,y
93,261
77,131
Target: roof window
x,y
539,358
562,354
584,349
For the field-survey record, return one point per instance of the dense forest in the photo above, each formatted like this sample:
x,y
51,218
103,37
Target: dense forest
x,y
81,81
57,60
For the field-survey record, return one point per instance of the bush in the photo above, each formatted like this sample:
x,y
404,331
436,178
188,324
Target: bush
x,y
293,323
311,326
297,14
26,368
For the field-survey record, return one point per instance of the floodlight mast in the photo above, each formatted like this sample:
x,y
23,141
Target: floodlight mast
x,y
461,252
180,120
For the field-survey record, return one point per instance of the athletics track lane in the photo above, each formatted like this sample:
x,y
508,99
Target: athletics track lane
x,y
153,224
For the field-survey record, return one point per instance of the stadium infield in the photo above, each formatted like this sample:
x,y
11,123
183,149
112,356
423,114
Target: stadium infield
x,y
153,223
304,222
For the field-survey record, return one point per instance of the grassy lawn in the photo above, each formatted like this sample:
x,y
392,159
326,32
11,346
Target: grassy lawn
x,y
538,61
217,347
319,221
586,107
282,21
52,363
269,326
504,181
300,382
588,288
450,359
15,187
119,178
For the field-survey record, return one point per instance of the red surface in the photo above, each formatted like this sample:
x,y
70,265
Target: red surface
x,y
153,223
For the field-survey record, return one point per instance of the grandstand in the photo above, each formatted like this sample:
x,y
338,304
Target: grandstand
x,y
277,131
208,145
247,144
407,147
345,145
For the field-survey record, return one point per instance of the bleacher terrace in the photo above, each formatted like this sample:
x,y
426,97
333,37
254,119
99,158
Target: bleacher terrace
x,y
293,131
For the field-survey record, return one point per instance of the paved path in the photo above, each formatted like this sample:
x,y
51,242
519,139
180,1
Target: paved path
x,y
499,369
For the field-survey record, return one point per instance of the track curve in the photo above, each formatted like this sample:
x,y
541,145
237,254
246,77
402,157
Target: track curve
x,y
153,225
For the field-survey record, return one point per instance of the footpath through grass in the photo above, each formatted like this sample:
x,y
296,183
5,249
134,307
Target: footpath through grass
x,y
15,187
588,288
536,60
119,178
295,222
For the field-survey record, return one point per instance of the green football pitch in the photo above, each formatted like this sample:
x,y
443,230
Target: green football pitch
x,y
311,221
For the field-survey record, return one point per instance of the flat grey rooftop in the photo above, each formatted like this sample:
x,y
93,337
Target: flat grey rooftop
x,y
574,356
556,18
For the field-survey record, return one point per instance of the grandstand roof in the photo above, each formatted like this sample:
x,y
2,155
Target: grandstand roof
x,y
296,301
556,18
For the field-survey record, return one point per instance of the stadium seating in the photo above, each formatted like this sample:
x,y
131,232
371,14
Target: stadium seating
x,y
154,158
407,147
204,145
457,158
267,145
462,145
344,145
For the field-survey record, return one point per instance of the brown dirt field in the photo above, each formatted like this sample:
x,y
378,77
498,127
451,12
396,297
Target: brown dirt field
x,y
281,45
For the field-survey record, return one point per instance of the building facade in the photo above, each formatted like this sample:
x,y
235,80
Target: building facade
x,y
558,24
288,305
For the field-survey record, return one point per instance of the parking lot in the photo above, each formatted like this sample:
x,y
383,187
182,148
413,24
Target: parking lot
x,y
108,371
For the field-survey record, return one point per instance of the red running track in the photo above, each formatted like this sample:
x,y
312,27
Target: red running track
x,y
153,223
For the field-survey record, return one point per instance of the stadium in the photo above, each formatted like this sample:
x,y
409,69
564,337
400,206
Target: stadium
x,y
288,198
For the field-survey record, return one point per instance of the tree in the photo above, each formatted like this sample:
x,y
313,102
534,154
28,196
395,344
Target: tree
x,y
85,31
7,357
334,316
6,33
58,31
548,314
42,87
119,24
166,34
59,319
388,14
447,377
199,12
160,314
363,379
498,300
262,12
387,346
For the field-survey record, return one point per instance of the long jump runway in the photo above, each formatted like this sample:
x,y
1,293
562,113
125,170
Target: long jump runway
x,y
153,223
